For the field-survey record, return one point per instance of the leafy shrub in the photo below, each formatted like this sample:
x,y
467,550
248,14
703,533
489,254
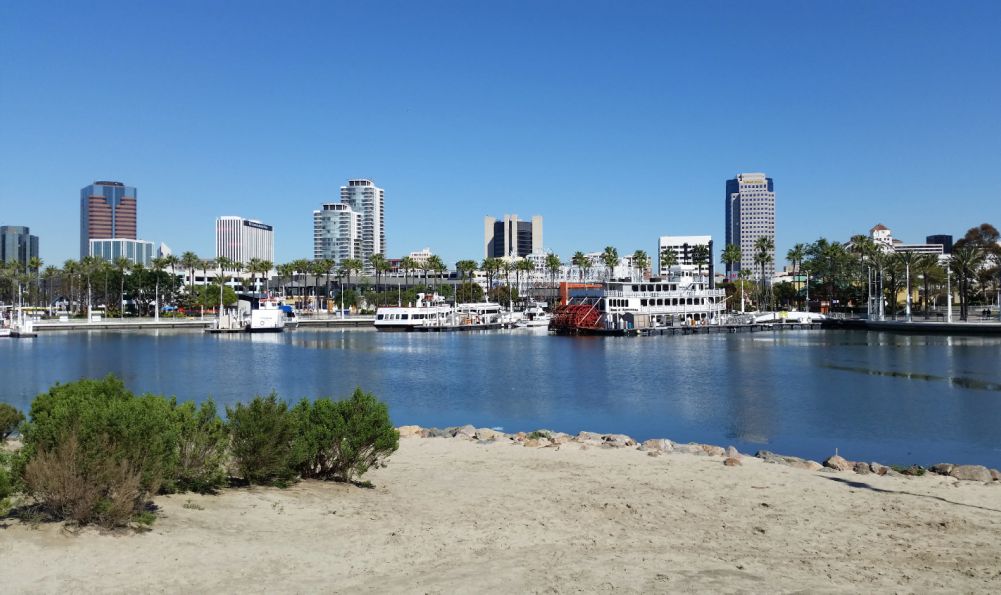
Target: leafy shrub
x,y
10,419
342,440
537,434
102,491
263,441
8,483
201,449
95,452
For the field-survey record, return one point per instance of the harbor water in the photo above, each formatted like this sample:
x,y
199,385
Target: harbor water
x,y
896,399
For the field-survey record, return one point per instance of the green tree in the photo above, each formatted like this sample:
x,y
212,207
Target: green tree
x,y
465,269
580,261
795,256
190,261
731,255
641,261
553,265
700,256
610,258
966,258
668,260
763,250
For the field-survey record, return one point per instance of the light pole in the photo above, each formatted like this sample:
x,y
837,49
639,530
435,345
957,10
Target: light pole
x,y
907,273
948,291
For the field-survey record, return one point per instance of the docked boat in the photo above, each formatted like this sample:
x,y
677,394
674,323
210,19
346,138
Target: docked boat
x,y
478,315
428,310
262,315
535,315
631,307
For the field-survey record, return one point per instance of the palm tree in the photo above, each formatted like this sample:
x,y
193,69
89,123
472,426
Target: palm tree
x,y
137,272
158,265
795,256
408,264
349,265
907,260
926,266
641,261
523,266
88,267
49,274
189,260
610,258
490,266
731,255
553,265
316,269
121,265
35,264
763,248
285,272
742,276
379,264
668,260
464,268
580,261
436,264
328,265
70,269
205,265
965,260
700,256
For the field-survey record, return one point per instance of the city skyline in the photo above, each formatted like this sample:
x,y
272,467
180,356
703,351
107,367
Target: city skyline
x,y
462,119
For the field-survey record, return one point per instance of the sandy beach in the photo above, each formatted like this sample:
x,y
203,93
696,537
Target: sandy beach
x,y
454,516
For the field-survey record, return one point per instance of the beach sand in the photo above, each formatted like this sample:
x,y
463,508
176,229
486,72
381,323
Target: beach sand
x,y
454,516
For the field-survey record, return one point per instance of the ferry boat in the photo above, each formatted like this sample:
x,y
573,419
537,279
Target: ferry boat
x,y
625,307
428,310
535,315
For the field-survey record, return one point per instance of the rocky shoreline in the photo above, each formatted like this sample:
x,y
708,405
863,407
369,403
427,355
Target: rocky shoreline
x,y
729,455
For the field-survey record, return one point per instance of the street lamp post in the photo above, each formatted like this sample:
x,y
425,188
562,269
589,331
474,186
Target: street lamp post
x,y
907,272
948,291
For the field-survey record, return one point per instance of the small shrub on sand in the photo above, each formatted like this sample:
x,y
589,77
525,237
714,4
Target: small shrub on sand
x,y
10,419
263,441
94,452
341,440
201,449
85,487
8,483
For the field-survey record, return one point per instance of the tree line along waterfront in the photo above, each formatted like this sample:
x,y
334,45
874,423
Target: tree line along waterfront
x,y
830,274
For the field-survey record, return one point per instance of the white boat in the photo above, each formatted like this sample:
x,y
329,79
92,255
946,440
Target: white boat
x,y
535,315
478,315
260,315
428,310
629,307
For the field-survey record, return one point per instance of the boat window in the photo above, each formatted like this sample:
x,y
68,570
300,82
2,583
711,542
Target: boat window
x,y
405,316
635,288
380,316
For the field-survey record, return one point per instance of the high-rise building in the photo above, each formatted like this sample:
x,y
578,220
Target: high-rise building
x,y
242,240
511,237
336,232
107,211
17,245
750,214
683,248
944,239
365,198
135,251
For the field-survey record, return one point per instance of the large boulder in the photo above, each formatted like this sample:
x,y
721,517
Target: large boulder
x,y
658,444
862,468
488,434
777,459
971,473
589,438
713,450
691,449
996,474
838,463
942,468
409,431
467,432
731,462
618,440
731,453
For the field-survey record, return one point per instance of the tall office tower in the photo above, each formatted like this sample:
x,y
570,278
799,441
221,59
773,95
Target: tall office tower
x,y
944,239
511,237
368,200
336,232
107,211
750,214
241,240
17,245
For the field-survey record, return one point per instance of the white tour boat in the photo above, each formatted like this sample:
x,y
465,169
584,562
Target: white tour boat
x,y
428,310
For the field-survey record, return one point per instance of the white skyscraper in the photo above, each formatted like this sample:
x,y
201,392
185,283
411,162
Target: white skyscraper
x,y
750,214
368,200
336,232
241,240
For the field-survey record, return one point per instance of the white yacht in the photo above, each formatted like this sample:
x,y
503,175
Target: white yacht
x,y
535,315
428,310
261,315
629,307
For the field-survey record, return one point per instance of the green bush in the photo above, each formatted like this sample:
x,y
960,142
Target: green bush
x,y
10,419
341,440
263,438
201,449
8,483
94,452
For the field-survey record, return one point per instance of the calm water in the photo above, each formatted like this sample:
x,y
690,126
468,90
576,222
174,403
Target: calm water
x,y
891,398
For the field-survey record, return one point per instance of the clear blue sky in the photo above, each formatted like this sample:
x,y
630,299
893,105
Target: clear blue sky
x,y
616,121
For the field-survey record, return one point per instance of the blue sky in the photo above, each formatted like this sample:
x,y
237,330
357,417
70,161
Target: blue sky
x,y
616,121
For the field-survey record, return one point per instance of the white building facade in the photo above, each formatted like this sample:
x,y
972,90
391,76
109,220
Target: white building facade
x,y
336,233
683,248
368,200
750,214
135,251
241,240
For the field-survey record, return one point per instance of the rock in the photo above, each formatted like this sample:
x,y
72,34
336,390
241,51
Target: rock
x,y
731,462
618,440
996,474
560,438
878,469
410,431
890,472
589,438
435,433
731,453
532,443
808,465
971,473
771,457
862,468
658,444
691,449
712,450
942,468
838,463
467,431
488,434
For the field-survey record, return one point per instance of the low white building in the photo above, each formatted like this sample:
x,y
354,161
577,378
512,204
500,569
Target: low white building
x,y
683,248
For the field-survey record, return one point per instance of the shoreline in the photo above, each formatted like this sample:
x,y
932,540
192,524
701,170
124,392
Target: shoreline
x,y
463,513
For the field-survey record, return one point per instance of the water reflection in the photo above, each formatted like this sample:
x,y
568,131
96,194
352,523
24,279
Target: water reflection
x,y
872,395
